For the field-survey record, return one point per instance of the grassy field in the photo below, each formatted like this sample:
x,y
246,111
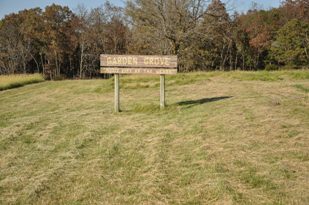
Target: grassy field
x,y
225,138
15,81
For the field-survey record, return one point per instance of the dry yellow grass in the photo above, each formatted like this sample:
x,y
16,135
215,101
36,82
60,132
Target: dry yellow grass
x,y
14,81
225,138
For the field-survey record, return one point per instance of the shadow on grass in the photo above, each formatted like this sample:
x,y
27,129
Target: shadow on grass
x,y
155,108
191,103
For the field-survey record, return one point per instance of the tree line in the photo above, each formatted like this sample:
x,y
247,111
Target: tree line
x,y
203,34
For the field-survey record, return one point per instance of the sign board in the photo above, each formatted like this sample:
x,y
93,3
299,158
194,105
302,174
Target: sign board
x,y
138,61
139,64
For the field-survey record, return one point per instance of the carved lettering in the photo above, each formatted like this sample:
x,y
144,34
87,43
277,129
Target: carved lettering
x,y
142,61
135,61
139,71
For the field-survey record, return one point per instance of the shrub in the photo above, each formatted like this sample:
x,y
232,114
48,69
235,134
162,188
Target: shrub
x,y
271,67
290,67
59,77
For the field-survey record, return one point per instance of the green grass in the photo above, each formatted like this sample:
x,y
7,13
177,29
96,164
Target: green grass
x,y
224,138
15,81
269,75
302,88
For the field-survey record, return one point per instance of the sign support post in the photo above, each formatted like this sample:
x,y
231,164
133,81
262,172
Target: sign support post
x,y
117,100
162,91
138,64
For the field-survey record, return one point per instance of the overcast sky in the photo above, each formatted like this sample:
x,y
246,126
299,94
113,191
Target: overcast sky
x,y
9,6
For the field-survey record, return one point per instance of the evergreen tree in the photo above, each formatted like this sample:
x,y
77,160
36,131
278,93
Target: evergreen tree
x,y
291,46
211,43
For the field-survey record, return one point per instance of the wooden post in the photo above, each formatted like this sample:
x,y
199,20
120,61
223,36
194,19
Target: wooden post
x,y
162,91
138,64
117,100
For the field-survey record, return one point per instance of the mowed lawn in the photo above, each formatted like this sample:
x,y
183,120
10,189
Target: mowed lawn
x,y
225,138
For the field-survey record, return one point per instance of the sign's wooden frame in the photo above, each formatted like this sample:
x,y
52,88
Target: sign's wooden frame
x,y
138,64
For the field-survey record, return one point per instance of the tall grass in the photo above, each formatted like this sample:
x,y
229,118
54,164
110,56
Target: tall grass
x,y
15,81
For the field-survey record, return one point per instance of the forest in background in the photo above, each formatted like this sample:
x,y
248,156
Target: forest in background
x,y
204,34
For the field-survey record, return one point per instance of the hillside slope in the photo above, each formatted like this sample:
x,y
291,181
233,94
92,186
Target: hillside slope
x,y
225,138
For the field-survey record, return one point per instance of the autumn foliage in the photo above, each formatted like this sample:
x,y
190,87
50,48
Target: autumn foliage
x,y
206,36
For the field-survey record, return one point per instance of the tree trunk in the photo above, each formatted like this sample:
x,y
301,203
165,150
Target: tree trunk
x,y
81,61
42,62
36,63
243,61
236,61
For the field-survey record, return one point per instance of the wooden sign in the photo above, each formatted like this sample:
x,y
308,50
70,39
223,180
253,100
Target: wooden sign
x,y
139,64
138,61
